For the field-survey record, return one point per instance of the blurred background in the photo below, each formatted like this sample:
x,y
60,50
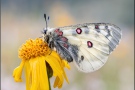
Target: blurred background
x,y
23,19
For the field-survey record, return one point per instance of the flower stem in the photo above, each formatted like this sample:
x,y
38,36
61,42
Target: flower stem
x,y
49,84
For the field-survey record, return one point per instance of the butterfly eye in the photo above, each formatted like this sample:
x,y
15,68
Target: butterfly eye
x,y
44,31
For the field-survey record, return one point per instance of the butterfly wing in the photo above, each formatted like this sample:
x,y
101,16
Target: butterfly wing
x,y
94,42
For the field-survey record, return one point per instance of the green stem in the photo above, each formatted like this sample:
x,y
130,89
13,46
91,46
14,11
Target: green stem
x,y
49,84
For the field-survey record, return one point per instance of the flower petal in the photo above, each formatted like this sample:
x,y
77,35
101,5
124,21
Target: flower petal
x,y
58,68
17,73
37,76
56,82
28,77
65,64
43,77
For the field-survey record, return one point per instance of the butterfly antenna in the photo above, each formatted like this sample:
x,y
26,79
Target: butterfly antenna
x,y
48,19
45,20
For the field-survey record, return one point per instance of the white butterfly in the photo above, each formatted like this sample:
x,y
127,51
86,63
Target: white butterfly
x,y
87,45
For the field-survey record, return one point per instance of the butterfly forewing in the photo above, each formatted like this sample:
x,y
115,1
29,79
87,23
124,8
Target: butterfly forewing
x,y
88,44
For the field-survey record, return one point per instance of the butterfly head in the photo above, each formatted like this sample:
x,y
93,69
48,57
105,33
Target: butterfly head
x,y
47,34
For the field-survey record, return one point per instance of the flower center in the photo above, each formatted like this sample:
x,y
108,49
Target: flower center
x,y
33,48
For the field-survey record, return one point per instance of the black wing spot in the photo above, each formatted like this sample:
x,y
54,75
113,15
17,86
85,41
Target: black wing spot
x,y
82,57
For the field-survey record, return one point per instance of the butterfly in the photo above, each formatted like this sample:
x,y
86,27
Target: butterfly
x,y
88,45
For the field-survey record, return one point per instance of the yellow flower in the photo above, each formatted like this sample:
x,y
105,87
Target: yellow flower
x,y
40,63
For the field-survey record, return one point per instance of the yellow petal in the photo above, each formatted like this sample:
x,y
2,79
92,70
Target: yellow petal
x,y
65,64
27,75
43,78
64,74
56,82
36,78
17,73
55,65
55,55
58,68
60,82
